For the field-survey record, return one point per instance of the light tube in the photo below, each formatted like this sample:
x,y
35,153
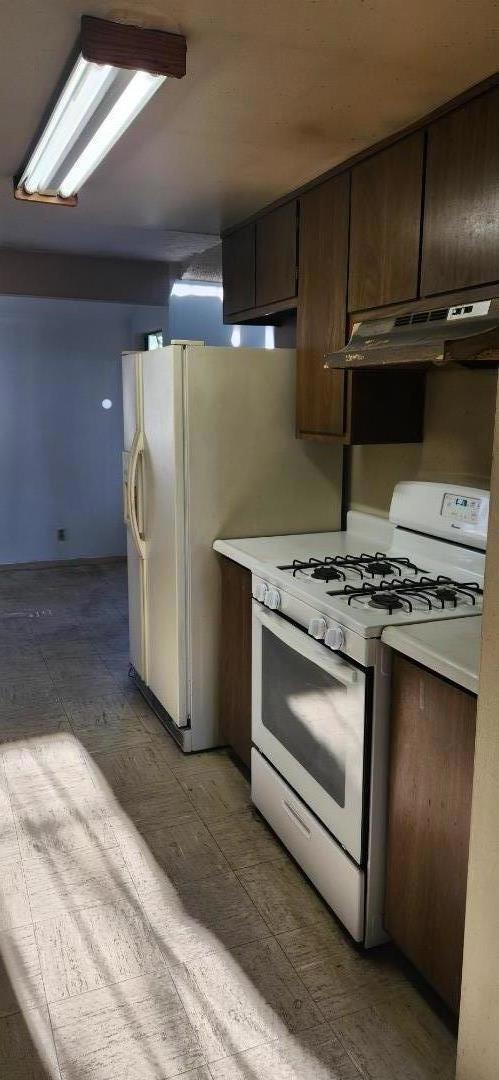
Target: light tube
x,y
77,103
138,92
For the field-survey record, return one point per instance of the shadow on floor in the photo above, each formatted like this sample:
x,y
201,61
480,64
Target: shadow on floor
x,y
153,925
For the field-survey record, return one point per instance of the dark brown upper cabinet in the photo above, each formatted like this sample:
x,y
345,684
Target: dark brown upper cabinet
x,y
238,268
321,316
276,255
385,225
461,219
422,214
338,406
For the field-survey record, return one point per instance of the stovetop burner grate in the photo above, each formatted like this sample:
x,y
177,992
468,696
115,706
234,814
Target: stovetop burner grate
x,y
335,567
400,594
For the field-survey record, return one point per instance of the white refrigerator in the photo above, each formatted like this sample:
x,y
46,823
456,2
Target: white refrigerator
x,y
209,451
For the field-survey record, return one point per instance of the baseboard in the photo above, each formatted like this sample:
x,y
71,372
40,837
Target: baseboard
x,y
57,563
182,736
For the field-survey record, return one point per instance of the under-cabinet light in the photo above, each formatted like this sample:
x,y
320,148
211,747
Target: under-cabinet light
x,y
117,70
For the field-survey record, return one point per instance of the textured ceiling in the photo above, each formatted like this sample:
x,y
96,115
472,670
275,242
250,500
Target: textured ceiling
x,y
276,92
205,267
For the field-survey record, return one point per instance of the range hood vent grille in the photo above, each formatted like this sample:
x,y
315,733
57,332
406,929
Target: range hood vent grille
x,y
466,335
422,317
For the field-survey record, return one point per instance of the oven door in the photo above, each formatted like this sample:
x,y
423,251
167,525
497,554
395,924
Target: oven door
x,y
309,721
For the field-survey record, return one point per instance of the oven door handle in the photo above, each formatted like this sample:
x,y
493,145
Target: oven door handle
x,y
300,641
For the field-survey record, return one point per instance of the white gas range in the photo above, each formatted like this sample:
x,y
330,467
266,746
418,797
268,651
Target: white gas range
x,y
321,675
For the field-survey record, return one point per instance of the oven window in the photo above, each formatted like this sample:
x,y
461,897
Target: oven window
x,y
309,712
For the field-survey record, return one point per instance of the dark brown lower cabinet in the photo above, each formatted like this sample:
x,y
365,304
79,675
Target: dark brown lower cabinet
x,y
432,745
235,658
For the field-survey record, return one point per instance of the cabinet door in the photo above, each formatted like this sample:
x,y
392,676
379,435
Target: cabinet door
x,y
235,658
276,236
322,306
461,220
432,744
238,270
385,226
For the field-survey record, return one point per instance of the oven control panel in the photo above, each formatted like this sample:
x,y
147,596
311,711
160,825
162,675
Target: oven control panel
x,y
462,508
441,510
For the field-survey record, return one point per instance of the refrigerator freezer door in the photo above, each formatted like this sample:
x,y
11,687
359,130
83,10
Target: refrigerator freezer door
x,y
164,532
137,572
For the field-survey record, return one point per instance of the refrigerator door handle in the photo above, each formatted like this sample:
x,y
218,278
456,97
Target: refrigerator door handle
x,y
126,469
135,455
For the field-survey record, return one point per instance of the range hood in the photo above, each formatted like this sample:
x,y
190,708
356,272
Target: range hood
x,y
465,335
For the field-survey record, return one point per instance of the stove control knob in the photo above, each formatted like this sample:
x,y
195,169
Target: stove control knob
x,y
272,598
260,591
335,637
317,629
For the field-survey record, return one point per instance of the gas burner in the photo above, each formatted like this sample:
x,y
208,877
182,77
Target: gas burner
x,y
327,573
447,594
443,589
319,569
379,567
381,564
389,601
387,596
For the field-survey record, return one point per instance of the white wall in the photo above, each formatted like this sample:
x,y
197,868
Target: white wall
x,y
199,317
60,451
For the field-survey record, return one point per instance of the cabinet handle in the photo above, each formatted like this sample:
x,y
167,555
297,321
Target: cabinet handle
x,y
421,695
290,810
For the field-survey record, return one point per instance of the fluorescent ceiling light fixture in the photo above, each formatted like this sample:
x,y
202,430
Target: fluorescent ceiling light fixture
x,y
115,72
96,106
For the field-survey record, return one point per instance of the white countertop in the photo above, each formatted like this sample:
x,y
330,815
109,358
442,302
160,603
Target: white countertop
x,y
259,553
451,648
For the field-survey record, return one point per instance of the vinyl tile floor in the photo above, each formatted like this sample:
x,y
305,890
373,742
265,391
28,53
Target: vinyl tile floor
x,y
151,925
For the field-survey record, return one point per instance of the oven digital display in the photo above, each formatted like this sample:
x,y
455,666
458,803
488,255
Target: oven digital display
x,y
461,508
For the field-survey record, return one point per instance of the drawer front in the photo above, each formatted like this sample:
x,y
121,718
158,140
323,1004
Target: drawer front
x,y
334,875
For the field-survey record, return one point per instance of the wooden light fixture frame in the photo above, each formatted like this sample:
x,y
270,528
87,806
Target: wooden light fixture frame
x,y
122,46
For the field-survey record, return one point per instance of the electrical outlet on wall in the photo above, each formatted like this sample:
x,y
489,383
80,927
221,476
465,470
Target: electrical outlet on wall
x,y
61,534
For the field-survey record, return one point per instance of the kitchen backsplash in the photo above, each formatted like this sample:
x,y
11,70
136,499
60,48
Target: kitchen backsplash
x,y
457,446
